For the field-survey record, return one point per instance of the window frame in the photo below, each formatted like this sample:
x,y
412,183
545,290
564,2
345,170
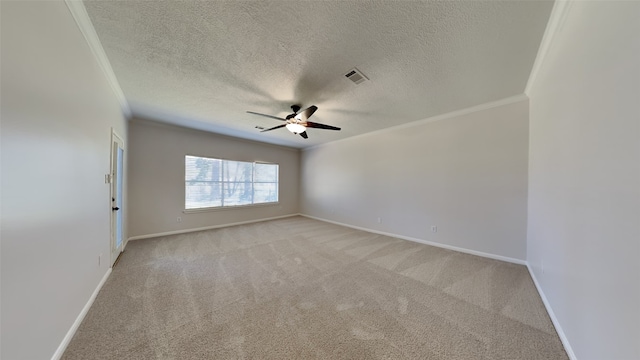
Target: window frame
x,y
222,183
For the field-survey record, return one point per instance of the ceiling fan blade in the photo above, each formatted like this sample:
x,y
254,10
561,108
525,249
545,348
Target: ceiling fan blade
x,y
304,134
275,127
306,113
310,124
265,115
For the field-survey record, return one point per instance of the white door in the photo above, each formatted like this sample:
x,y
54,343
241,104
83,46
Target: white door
x,y
117,174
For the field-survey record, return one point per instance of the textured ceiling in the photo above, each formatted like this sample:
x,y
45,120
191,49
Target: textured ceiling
x,y
204,64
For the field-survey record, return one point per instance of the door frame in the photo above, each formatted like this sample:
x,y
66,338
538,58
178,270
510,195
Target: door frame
x,y
114,251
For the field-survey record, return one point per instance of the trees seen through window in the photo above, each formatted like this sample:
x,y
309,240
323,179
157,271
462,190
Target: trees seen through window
x,y
213,182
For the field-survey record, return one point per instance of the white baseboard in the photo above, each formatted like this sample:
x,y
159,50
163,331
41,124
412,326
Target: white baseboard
x,y
565,342
72,331
426,242
184,231
554,319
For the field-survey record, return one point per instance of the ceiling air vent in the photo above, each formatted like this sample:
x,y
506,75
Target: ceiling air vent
x,y
356,76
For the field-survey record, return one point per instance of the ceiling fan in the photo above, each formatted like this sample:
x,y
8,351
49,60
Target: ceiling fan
x,y
297,121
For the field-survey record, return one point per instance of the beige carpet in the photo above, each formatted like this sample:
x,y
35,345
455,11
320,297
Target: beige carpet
x,y
297,288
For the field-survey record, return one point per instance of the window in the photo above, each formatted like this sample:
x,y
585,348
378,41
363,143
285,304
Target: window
x,y
211,183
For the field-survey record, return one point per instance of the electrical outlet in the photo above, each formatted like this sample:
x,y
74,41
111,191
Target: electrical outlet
x,y
179,219
379,220
434,229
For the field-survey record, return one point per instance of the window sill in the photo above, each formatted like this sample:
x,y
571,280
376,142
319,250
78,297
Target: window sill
x,y
223,208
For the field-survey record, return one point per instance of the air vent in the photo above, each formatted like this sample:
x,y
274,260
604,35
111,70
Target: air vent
x,y
356,76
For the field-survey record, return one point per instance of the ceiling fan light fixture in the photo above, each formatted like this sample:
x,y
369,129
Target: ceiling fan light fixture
x,y
297,122
296,128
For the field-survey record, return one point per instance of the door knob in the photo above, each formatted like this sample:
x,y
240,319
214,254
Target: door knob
x,y
115,208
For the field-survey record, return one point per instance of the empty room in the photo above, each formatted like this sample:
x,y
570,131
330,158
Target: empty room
x,y
320,179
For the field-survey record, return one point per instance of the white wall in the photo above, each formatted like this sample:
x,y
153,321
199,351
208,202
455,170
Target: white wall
x,y
156,177
57,112
466,174
584,177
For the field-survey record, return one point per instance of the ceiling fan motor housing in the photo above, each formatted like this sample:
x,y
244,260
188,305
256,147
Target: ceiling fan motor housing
x,y
297,122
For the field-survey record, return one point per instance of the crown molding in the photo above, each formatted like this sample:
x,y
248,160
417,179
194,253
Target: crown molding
x,y
461,112
554,26
80,15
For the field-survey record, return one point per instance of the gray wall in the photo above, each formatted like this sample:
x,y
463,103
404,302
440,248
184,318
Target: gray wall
x,y
466,174
156,177
584,177
57,112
